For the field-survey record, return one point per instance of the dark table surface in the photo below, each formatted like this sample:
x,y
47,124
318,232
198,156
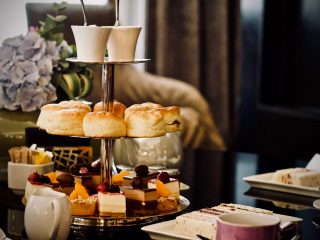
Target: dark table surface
x,y
12,209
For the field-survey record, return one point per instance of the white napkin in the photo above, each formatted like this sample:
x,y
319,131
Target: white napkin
x,y
314,163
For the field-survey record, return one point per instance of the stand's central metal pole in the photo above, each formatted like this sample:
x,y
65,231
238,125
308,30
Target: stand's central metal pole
x,y
107,106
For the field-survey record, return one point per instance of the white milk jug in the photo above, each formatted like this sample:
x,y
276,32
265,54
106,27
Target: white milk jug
x,y
47,215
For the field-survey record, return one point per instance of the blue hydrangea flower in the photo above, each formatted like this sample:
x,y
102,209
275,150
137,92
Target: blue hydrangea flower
x,y
26,66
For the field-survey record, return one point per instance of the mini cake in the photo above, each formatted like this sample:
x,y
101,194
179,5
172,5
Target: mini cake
x,y
297,176
203,222
87,174
140,201
141,171
81,203
167,201
111,200
63,183
171,184
36,181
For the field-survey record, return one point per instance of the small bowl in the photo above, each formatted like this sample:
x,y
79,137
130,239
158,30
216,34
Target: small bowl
x,y
18,173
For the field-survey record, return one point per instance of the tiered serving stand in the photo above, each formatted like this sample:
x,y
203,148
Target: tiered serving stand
x,y
106,158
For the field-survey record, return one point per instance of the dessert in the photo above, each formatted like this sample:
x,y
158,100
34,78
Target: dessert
x,y
35,181
64,183
64,118
297,176
103,124
80,201
171,184
152,120
111,200
203,222
140,201
118,108
167,201
141,171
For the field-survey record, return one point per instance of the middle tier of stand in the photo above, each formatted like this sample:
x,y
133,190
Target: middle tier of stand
x,y
107,61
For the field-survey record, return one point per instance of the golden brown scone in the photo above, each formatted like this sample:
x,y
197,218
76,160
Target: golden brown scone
x,y
118,108
56,119
141,107
172,119
145,123
152,120
66,122
103,124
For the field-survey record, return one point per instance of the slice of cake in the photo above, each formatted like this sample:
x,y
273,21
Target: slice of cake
x,y
141,171
81,204
203,222
171,184
140,202
297,176
111,200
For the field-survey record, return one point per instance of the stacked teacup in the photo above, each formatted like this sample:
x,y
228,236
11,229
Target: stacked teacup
x,y
92,42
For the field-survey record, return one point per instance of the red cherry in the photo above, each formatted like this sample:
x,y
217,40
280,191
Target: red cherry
x,y
103,187
34,178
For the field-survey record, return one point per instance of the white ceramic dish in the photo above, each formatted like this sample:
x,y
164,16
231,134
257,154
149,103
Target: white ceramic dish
x,y
263,181
165,230
18,173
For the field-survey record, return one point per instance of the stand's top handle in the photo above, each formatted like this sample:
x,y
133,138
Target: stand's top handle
x,y
84,13
117,6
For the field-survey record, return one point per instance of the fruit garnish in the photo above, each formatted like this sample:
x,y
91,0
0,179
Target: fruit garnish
x,y
164,177
45,179
34,178
137,182
81,191
103,187
65,179
162,190
114,189
73,195
52,176
141,170
118,178
83,170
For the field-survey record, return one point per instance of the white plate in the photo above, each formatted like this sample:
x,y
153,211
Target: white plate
x,y
165,230
264,181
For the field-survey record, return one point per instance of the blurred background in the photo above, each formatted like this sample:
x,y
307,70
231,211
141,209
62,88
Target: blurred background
x,y
255,62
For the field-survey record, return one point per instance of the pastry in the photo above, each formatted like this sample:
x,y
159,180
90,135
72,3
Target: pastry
x,y
118,108
167,201
64,118
140,201
111,201
81,203
141,173
297,176
203,222
171,184
103,124
152,120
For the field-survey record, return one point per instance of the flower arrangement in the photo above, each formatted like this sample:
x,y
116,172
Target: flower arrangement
x,y
33,68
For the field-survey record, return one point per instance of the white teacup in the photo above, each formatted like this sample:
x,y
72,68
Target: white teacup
x,y
246,225
47,215
122,43
91,42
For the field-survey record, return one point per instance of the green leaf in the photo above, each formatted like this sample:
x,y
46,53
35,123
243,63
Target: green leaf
x,y
61,18
58,37
49,24
64,54
65,88
64,64
86,86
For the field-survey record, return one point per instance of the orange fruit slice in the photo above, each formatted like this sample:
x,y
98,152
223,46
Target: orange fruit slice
x,y
162,190
73,195
52,176
81,190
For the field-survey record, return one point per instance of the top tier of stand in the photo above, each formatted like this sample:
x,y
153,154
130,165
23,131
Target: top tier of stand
x,y
106,61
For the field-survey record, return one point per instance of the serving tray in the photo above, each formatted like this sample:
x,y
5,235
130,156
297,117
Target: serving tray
x,y
126,221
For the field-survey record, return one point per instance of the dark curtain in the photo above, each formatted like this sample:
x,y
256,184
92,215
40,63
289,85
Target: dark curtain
x,y
197,41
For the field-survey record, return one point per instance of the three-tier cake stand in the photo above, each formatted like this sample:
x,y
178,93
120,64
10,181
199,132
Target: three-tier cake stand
x,y
106,158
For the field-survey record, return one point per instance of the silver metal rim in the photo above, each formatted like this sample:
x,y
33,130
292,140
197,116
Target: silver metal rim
x,y
124,221
106,61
